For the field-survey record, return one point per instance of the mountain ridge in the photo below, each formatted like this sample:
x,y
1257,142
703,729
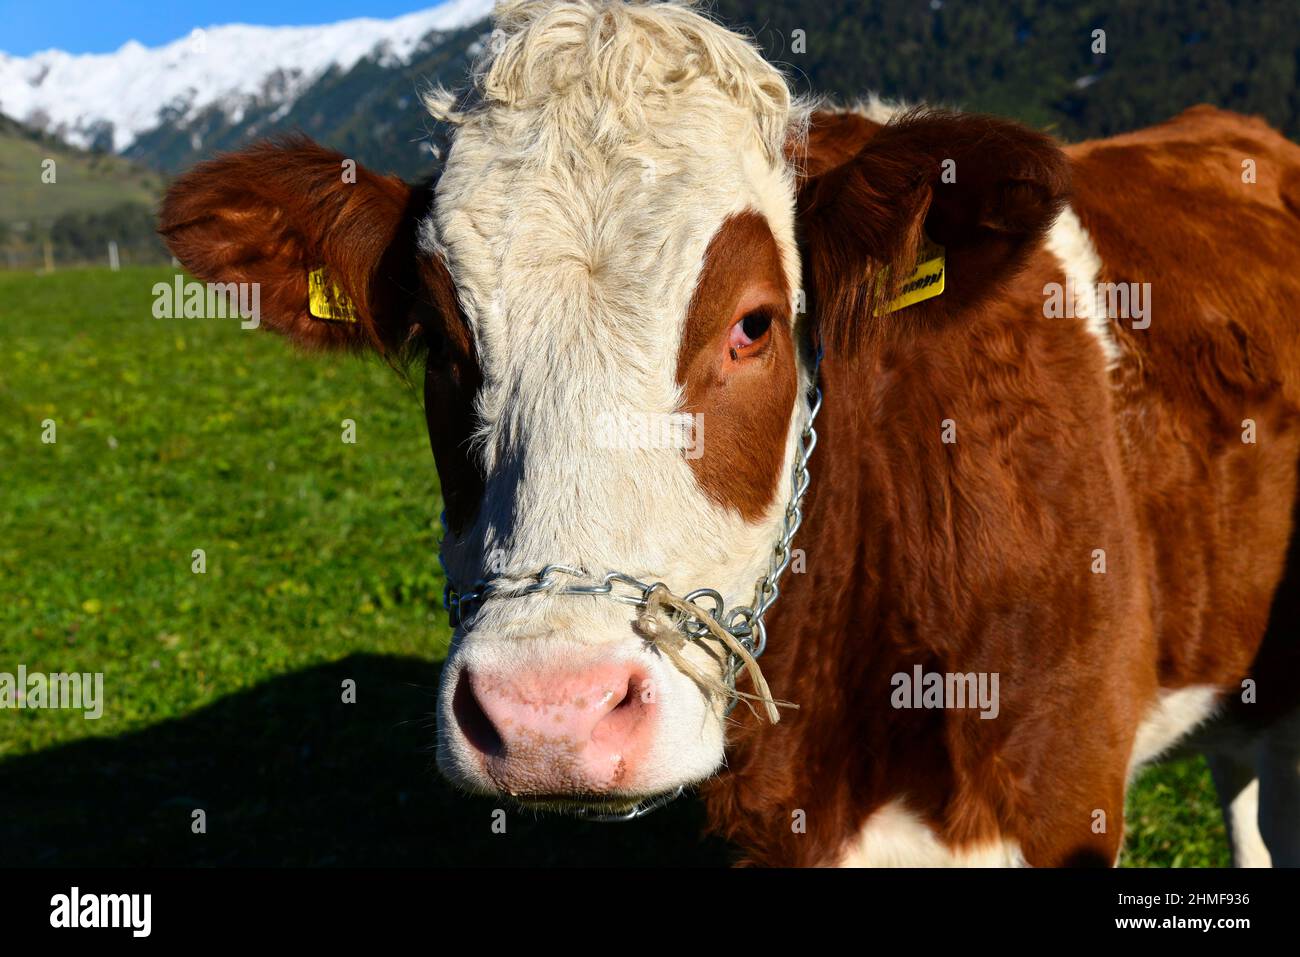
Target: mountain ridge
x,y
109,100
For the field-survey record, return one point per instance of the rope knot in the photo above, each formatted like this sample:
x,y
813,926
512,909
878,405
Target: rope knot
x,y
671,642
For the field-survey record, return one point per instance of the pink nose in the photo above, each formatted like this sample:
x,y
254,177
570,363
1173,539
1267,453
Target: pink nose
x,y
558,732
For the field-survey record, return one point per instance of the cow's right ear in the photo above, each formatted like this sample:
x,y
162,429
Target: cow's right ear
x,y
276,212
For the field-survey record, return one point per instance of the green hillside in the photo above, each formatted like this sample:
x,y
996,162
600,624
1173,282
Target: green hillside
x,y
78,203
84,181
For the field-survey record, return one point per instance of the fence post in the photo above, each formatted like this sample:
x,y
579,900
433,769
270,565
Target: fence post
x,y
49,256
113,263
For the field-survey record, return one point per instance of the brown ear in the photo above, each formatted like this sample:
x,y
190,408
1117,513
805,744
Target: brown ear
x,y
274,212
830,140
984,188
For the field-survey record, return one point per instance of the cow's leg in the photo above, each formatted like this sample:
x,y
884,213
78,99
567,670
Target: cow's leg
x,y
1279,792
1236,782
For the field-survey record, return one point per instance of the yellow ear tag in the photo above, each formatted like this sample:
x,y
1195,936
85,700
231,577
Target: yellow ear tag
x,y
328,302
926,280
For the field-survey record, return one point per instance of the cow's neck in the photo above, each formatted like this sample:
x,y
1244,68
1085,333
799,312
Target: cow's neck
x,y
835,633
889,582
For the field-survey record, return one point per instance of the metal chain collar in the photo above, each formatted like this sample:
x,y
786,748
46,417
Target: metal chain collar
x,y
744,622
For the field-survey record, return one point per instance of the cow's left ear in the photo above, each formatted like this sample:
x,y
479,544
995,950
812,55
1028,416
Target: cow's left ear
x,y
277,212
984,188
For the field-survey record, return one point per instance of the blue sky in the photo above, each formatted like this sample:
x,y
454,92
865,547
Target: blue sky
x,y
101,26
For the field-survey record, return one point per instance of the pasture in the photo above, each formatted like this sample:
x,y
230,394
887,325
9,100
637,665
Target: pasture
x,y
223,690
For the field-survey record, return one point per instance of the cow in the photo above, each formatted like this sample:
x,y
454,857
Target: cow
x,y
1037,536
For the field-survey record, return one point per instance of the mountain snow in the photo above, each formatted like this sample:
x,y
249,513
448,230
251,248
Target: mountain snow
x,y
226,66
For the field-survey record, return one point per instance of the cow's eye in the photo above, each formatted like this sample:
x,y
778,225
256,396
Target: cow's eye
x,y
750,329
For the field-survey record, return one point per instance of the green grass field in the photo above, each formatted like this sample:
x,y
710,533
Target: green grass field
x,y
223,689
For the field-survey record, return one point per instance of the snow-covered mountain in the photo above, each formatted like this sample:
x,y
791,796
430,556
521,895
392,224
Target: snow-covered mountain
x,y
235,71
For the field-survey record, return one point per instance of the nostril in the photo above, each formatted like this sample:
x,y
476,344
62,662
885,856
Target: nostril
x,y
473,720
620,724
632,693
629,693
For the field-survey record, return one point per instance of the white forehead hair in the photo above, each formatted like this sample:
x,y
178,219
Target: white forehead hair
x,y
599,150
592,97
601,68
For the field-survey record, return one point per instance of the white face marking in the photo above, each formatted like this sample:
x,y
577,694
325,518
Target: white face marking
x,y
574,213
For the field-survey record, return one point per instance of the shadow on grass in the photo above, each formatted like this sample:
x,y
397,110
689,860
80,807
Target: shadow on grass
x,y
289,775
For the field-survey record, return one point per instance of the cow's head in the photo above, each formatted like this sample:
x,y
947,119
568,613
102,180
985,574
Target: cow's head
x,y
629,209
